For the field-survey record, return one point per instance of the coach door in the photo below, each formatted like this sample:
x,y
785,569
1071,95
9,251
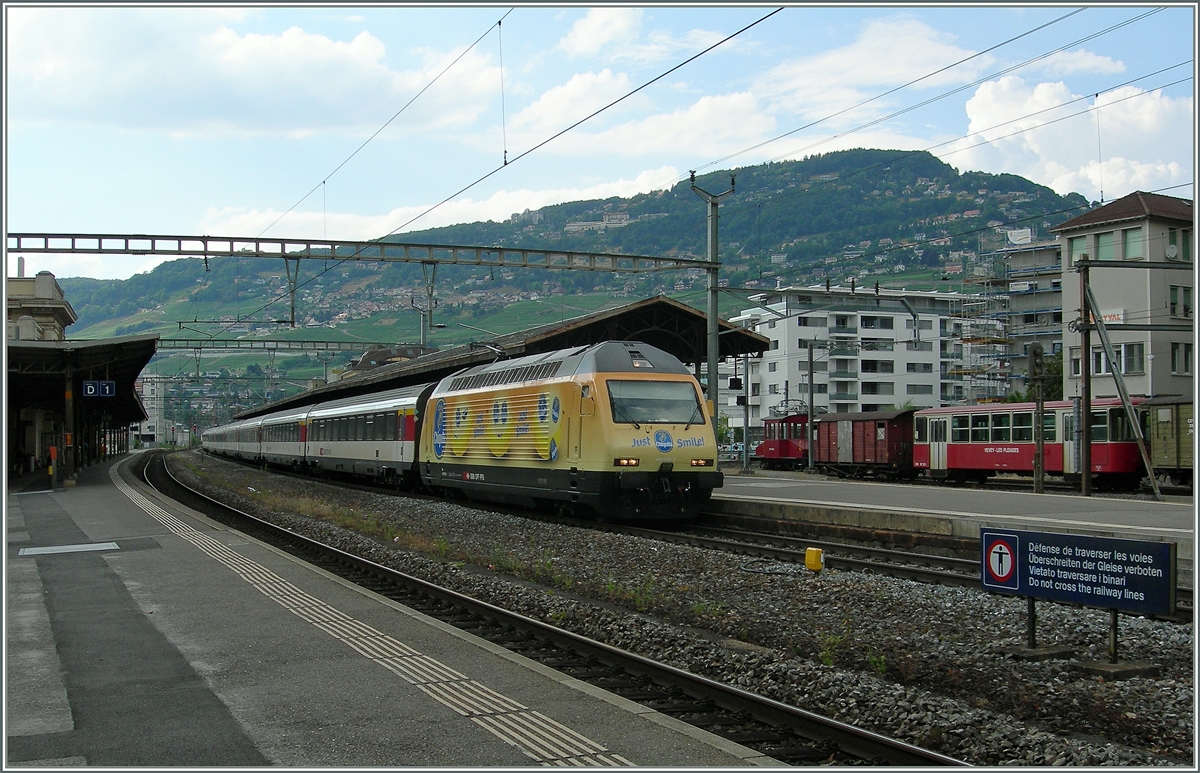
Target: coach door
x,y
938,432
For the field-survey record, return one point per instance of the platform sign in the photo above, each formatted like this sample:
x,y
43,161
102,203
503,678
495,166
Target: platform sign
x,y
1130,575
99,389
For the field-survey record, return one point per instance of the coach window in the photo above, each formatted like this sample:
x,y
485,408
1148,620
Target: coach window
x,y
1049,425
920,427
1121,429
960,429
1022,427
1000,427
390,426
979,428
1099,427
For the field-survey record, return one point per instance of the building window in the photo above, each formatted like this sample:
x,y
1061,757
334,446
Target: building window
x,y
877,366
920,389
1130,359
1181,240
773,389
1181,359
821,389
1134,358
1131,243
920,367
1104,246
919,346
772,366
1076,365
1181,301
774,344
1076,248
877,388
876,323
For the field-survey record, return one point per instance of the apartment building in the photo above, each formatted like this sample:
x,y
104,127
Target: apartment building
x,y
870,350
1137,230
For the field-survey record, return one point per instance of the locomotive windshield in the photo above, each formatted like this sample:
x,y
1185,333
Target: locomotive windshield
x,y
654,402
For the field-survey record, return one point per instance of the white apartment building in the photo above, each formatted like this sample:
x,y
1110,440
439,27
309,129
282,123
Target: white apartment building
x,y
870,351
151,388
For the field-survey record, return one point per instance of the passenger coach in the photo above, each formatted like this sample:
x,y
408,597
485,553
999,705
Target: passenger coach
x,y
976,441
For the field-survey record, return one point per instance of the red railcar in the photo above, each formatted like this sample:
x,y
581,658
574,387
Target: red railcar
x,y
784,445
974,442
871,444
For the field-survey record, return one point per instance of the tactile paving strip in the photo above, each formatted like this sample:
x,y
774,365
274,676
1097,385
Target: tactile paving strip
x,y
539,737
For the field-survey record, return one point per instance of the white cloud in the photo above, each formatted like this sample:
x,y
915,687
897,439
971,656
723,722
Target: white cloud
x,y
498,207
887,53
709,127
601,27
1146,138
1072,62
562,105
191,74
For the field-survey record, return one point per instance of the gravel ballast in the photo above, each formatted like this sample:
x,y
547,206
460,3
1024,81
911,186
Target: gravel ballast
x,y
917,662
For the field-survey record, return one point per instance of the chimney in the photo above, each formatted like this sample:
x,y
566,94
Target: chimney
x,y
20,267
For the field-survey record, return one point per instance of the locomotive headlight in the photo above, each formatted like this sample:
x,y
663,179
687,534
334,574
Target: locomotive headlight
x,y
626,462
702,462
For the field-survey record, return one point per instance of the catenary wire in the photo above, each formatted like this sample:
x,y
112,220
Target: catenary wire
x,y
531,150
933,99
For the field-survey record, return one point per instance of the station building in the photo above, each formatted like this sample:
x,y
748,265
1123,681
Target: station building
x,y
67,402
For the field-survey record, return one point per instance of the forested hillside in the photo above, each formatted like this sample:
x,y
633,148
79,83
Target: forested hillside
x,y
890,215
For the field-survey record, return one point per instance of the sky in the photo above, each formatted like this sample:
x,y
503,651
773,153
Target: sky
x,y
353,123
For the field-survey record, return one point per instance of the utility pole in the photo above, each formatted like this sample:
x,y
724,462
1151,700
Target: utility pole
x,y
713,289
1085,383
1037,373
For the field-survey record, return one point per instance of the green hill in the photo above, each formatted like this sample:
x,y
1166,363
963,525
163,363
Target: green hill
x,y
899,215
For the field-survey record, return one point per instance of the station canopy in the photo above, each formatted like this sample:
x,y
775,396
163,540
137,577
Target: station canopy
x,y
37,373
669,325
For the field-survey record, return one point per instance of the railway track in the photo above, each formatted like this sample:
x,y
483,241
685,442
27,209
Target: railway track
x,y
922,567
784,733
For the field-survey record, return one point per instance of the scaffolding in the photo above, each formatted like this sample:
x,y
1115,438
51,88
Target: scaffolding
x,y
979,332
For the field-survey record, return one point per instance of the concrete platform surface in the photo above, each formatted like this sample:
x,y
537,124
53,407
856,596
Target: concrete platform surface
x,y
142,634
955,510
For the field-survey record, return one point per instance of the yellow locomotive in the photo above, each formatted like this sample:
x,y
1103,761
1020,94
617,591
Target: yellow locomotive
x,y
617,427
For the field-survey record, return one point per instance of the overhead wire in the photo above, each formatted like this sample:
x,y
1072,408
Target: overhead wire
x,y
929,101
325,180
584,120
388,122
889,92
527,152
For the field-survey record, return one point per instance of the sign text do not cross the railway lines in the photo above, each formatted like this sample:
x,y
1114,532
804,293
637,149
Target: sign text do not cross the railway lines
x,y
1130,575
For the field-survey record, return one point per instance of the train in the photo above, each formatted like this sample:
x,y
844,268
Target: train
x,y
617,430
974,442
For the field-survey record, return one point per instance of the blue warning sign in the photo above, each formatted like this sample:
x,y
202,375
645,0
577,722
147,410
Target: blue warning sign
x,y
1130,575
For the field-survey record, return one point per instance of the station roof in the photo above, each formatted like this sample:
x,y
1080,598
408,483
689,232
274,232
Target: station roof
x,y
37,372
667,324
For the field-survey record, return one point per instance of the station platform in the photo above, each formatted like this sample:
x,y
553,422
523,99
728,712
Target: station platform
x,y
955,512
142,634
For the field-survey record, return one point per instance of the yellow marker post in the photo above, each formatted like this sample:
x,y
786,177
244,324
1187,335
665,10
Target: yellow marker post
x,y
814,559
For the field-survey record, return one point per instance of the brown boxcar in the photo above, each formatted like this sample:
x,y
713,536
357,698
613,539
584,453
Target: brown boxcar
x,y
871,444
1167,423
